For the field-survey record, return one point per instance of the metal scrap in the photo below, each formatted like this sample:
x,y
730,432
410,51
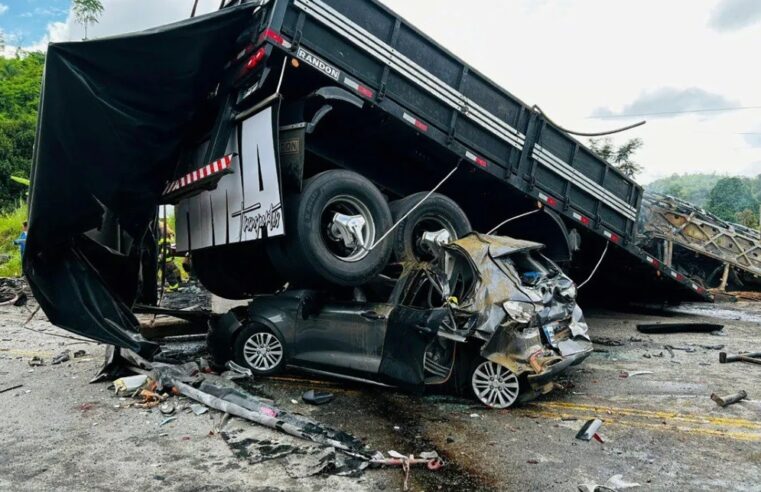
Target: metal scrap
x,y
62,357
589,429
725,401
317,397
11,388
36,362
431,460
671,328
751,358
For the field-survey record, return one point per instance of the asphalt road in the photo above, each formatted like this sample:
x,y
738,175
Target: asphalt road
x,y
661,430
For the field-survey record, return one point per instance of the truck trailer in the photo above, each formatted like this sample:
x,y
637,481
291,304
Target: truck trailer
x,y
318,143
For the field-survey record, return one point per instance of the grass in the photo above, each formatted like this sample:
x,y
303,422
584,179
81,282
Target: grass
x,y
10,228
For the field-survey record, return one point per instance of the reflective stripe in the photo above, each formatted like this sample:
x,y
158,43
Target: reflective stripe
x,y
566,171
199,174
406,67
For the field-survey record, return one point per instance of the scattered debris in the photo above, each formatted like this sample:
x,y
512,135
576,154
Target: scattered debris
x,y
430,459
129,384
670,328
725,401
167,420
236,371
11,388
198,409
671,349
712,347
36,362
167,408
751,358
260,412
608,342
64,356
79,354
317,397
614,483
589,429
631,374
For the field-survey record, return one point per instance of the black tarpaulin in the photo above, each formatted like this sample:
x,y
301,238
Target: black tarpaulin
x,y
113,117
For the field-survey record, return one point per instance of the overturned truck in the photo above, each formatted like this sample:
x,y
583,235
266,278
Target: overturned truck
x,y
323,144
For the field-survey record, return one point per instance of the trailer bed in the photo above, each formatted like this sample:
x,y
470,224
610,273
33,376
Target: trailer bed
x,y
368,49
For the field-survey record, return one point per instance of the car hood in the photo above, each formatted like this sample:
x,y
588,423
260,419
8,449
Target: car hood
x,y
557,329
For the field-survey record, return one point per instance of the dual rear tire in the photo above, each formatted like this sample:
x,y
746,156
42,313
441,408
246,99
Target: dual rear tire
x,y
318,248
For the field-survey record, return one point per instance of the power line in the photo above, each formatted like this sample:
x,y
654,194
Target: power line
x,y
663,113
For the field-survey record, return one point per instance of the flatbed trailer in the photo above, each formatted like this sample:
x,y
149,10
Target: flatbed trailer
x,y
423,112
237,116
698,243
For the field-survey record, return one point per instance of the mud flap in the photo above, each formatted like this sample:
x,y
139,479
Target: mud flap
x,y
408,335
246,205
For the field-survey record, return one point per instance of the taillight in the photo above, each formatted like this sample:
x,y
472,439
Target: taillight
x,y
272,35
252,62
255,59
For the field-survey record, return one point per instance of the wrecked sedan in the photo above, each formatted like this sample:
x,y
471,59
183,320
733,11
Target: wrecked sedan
x,y
490,316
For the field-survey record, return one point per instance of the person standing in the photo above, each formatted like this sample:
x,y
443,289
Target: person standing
x,y
21,241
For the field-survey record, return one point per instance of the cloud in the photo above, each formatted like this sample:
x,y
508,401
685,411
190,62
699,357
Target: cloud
x,y
731,15
669,102
3,8
753,138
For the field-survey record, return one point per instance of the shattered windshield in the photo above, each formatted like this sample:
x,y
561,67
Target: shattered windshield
x,y
530,266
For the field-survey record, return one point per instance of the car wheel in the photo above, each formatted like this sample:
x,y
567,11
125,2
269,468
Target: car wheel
x,y
331,226
437,213
494,385
260,350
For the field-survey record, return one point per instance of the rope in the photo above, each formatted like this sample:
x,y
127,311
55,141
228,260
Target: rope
x,y
511,220
395,226
605,251
580,134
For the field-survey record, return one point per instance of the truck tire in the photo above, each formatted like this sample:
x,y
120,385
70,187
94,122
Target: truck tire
x,y
437,213
313,252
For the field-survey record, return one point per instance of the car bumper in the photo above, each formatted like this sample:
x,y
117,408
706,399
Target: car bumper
x,y
558,368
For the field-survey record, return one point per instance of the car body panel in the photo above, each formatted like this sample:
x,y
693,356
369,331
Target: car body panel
x,y
460,298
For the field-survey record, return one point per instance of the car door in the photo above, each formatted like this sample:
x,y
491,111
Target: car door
x,y
345,337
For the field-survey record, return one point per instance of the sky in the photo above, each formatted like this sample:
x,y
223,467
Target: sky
x,y
685,66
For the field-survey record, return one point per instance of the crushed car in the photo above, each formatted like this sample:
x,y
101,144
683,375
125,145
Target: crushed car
x,y
488,315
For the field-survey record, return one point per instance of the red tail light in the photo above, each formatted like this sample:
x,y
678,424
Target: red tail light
x,y
273,35
255,59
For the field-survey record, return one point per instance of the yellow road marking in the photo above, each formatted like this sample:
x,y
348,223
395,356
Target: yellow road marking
x,y
738,436
25,353
633,412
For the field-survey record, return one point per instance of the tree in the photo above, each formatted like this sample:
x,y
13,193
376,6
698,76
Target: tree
x,y
729,197
748,218
87,12
20,81
621,157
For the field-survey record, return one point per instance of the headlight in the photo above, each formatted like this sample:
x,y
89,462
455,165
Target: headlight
x,y
522,312
569,293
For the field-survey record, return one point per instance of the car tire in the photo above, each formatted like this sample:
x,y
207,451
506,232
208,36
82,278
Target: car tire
x,y
260,349
311,254
438,212
494,385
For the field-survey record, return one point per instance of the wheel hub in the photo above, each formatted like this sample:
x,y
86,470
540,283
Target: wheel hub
x,y
349,229
263,351
494,385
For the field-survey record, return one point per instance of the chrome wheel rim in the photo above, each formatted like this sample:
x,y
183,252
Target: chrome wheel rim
x,y
263,351
352,207
429,223
495,386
